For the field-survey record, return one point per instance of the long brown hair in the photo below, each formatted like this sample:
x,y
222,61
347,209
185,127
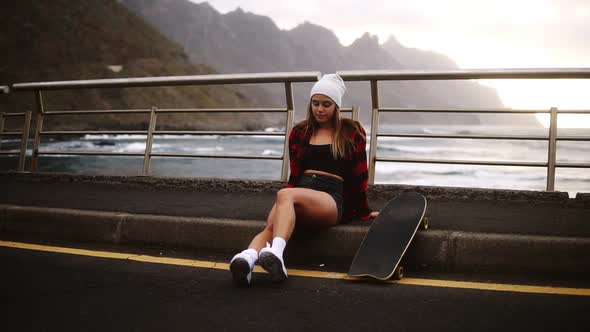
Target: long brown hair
x,y
341,141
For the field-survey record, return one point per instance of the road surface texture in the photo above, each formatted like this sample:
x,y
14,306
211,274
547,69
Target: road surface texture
x,y
60,291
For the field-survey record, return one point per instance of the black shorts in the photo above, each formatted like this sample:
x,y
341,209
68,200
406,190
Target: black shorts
x,y
325,183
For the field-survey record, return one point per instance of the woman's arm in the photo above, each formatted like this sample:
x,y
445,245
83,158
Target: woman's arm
x,y
295,150
360,175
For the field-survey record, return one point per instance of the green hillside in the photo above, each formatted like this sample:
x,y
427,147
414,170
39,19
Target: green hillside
x,y
72,40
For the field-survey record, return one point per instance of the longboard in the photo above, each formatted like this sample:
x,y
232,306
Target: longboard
x,y
389,236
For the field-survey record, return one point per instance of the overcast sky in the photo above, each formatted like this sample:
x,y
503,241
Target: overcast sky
x,y
474,33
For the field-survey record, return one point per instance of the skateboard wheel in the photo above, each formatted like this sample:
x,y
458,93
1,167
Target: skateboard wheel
x,y
398,273
424,224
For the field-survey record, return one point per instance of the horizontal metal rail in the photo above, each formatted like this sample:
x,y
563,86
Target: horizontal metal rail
x,y
478,111
488,137
141,154
572,165
93,112
496,137
232,133
460,110
574,112
91,153
223,110
4,89
483,163
221,156
171,81
180,110
160,132
479,74
464,162
93,132
8,115
11,133
573,138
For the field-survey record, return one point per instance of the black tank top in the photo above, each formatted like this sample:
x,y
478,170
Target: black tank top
x,y
319,158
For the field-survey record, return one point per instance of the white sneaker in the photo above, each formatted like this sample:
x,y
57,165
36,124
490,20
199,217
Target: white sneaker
x,y
273,264
241,270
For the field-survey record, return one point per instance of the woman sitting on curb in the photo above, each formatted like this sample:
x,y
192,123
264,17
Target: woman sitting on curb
x,y
327,184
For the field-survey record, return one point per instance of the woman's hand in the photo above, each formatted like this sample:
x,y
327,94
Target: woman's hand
x,y
373,214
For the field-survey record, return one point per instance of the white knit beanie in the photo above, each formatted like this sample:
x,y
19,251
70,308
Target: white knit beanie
x,y
330,85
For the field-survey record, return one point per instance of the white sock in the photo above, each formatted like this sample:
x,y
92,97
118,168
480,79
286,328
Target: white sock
x,y
251,256
278,245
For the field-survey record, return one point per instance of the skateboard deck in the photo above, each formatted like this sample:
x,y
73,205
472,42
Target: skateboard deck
x,y
389,237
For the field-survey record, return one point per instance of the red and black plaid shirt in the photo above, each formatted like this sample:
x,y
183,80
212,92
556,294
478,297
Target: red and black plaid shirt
x,y
356,179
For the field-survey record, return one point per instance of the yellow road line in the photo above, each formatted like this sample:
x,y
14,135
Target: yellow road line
x,y
496,287
304,273
62,250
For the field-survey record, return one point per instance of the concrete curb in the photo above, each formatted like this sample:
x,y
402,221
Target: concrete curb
x,y
376,191
206,233
65,224
522,253
433,250
464,209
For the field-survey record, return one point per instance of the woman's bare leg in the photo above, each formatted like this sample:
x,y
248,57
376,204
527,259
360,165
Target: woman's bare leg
x,y
265,236
306,206
242,264
309,207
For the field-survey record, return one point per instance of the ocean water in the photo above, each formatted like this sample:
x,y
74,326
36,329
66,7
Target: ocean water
x,y
572,180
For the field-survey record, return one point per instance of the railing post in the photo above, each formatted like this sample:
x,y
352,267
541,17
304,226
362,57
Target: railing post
x,y
551,159
355,112
149,141
374,128
288,125
24,141
1,126
38,128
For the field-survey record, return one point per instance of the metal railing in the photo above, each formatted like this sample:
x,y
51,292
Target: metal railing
x,y
375,76
24,134
286,78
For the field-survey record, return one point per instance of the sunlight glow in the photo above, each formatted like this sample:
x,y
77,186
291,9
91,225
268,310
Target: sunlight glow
x,y
569,121
545,94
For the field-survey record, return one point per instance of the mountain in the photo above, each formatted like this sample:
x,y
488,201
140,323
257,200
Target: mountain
x,y
239,41
322,51
413,58
459,92
86,39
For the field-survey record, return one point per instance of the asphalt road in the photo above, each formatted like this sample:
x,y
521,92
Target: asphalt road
x,y
44,291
